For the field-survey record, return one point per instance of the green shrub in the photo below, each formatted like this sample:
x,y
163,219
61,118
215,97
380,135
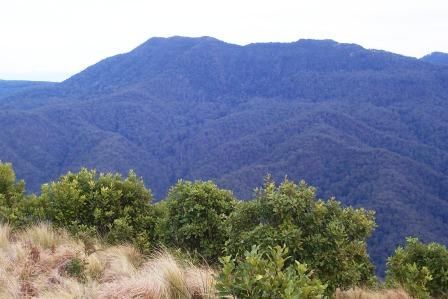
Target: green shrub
x,y
195,218
9,187
266,275
421,269
16,208
76,268
11,192
327,237
117,209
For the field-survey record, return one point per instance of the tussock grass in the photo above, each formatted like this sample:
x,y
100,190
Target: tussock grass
x,y
42,262
163,276
118,263
5,232
44,236
358,293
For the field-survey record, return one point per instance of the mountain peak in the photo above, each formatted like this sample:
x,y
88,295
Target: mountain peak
x,y
438,58
178,40
206,62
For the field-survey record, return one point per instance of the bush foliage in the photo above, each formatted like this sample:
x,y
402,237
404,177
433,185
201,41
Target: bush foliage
x,y
196,218
285,243
421,269
118,209
16,207
329,238
267,274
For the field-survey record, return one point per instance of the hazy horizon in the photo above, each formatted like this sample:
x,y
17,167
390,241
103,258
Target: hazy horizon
x,y
51,40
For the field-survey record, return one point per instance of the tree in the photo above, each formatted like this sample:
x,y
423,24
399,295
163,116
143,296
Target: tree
x,y
421,269
196,218
329,238
118,209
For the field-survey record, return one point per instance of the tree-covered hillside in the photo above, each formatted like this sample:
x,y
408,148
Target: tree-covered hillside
x,y
367,126
437,58
12,86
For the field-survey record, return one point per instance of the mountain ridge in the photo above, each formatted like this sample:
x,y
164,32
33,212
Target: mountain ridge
x,y
366,126
436,58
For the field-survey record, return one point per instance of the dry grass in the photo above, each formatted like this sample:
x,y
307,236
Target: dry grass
x,y
161,276
34,263
372,294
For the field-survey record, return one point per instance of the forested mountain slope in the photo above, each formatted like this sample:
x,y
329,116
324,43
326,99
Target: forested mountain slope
x,y
9,87
367,126
437,58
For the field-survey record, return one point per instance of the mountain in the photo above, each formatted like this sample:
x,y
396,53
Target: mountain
x,y
437,58
10,87
366,126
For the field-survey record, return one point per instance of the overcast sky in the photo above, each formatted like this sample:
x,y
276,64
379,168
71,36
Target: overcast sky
x,y
54,39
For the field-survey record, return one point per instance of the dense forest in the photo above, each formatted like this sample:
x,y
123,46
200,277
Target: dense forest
x,y
436,58
366,126
285,243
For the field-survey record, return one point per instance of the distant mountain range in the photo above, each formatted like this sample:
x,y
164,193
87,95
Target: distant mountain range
x,y
10,87
367,126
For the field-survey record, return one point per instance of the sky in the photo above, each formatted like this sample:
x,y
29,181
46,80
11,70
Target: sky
x,y
54,39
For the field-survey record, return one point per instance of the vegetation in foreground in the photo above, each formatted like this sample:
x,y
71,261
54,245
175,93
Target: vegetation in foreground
x,y
285,243
42,262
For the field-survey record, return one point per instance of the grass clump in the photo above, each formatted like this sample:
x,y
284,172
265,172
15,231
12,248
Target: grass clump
x,y
359,293
42,262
